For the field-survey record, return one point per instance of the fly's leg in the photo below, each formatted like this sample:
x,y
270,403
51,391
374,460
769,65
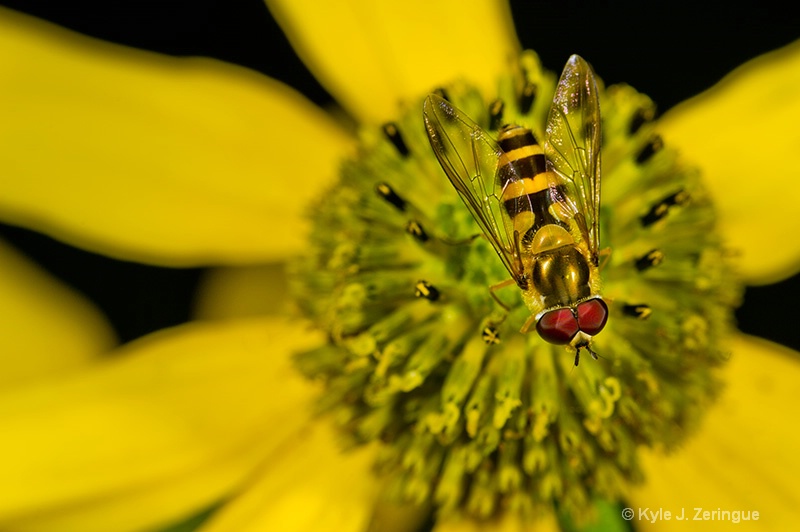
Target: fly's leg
x,y
528,323
498,286
489,330
461,241
604,255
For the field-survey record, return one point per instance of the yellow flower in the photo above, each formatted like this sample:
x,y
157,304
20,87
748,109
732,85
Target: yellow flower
x,y
171,162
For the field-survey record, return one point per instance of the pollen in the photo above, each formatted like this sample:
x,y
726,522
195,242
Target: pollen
x,y
474,417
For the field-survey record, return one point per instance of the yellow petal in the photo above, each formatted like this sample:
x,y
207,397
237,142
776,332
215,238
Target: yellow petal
x,y
242,292
743,132
151,158
45,327
373,55
744,457
310,484
171,424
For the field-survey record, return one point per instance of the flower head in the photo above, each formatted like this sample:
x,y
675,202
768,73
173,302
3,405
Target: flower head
x,y
474,415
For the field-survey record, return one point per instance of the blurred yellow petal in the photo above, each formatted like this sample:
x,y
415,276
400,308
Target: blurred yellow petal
x,y
745,456
45,327
151,158
239,292
373,55
171,424
743,132
309,485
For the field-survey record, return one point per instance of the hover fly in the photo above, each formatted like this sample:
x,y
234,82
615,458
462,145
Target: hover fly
x,y
537,205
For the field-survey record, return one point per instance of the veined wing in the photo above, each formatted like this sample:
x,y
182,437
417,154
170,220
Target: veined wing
x,y
572,145
469,157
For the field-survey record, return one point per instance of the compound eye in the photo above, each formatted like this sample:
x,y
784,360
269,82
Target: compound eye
x,y
557,326
592,316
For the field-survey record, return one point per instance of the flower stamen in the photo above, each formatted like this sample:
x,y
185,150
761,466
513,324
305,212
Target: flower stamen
x,y
396,138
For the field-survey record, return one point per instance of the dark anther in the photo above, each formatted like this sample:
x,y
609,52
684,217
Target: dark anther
x,y
394,136
527,97
442,93
414,228
386,192
654,257
496,114
490,335
652,146
426,290
640,312
642,116
660,209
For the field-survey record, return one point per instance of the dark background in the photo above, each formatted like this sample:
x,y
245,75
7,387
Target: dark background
x,y
670,50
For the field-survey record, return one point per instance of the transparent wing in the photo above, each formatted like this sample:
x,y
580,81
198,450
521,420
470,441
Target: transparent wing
x,y
572,145
469,157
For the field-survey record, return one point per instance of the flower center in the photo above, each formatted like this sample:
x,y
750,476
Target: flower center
x,y
474,415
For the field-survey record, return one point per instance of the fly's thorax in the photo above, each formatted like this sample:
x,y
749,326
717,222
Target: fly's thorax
x,y
562,277
550,237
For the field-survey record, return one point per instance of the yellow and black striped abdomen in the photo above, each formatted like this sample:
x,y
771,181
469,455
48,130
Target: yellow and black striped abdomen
x,y
526,184
522,157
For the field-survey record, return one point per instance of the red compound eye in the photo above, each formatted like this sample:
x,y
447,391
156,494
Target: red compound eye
x,y
592,316
557,326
